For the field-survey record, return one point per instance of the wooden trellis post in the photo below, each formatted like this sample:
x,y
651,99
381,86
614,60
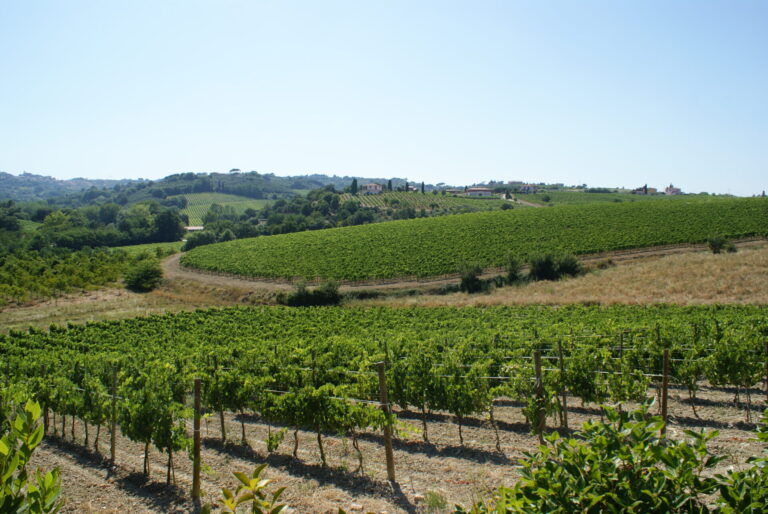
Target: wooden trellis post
x,y
665,390
196,444
384,399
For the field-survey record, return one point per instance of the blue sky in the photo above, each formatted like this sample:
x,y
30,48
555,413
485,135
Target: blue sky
x,y
608,93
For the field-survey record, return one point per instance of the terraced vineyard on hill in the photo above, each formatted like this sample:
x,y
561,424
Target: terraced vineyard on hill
x,y
579,197
427,202
199,203
435,246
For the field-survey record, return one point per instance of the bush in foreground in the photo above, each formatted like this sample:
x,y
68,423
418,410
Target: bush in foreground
x,y
627,465
622,465
20,433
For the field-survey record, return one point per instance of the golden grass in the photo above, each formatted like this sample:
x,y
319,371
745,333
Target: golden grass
x,y
684,279
106,304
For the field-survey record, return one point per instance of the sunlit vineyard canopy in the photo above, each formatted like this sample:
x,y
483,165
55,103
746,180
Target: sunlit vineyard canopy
x,y
435,246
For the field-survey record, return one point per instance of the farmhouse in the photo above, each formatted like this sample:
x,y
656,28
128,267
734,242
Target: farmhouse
x,y
672,190
479,191
527,189
372,189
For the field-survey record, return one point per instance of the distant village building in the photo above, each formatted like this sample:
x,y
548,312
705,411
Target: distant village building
x,y
645,190
479,191
672,190
454,191
372,189
528,189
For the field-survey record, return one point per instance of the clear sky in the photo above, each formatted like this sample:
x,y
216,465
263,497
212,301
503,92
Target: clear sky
x,y
608,93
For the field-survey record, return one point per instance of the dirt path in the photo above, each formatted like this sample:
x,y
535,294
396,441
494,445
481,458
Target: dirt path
x,y
527,204
173,270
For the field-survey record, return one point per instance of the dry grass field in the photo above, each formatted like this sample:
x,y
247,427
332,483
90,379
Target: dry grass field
x,y
683,279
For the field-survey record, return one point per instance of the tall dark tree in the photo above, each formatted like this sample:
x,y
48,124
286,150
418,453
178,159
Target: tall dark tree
x,y
168,226
353,189
422,187
389,185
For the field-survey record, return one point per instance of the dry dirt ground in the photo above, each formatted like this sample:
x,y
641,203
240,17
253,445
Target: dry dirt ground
x,y
681,275
459,474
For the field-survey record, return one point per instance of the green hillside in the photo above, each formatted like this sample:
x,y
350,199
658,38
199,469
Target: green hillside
x,y
427,201
199,203
434,246
581,197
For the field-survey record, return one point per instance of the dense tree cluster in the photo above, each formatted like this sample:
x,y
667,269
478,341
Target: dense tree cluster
x,y
321,208
94,226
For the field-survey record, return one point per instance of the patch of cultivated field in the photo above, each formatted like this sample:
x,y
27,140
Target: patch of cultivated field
x,y
442,245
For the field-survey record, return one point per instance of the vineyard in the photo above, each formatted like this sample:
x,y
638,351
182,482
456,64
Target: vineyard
x,y
580,198
199,203
435,246
427,202
318,370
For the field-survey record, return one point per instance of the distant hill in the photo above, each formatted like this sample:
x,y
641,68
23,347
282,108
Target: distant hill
x,y
28,187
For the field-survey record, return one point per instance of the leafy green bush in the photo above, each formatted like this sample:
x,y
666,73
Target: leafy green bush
x,y
543,267
19,492
514,271
144,276
251,493
622,465
326,294
568,265
747,490
550,267
470,279
206,237
719,244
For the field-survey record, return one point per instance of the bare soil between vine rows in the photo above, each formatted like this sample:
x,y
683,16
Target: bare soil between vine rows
x,y
460,474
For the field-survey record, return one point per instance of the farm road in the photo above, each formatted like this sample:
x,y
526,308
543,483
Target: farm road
x,y
173,270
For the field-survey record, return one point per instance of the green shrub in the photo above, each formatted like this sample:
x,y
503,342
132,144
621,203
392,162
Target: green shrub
x,y
543,267
514,271
719,244
622,465
568,265
549,267
747,490
144,276
470,279
199,239
326,294
21,432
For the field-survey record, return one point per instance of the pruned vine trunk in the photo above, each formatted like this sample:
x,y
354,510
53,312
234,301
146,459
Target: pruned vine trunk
x,y
170,473
356,446
295,442
146,458
692,398
242,427
98,433
322,451
495,428
223,427
424,433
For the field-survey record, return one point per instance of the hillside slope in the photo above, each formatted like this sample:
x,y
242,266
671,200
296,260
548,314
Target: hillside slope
x,y
434,246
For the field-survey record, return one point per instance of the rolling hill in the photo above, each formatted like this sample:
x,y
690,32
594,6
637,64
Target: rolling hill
x,y
435,246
